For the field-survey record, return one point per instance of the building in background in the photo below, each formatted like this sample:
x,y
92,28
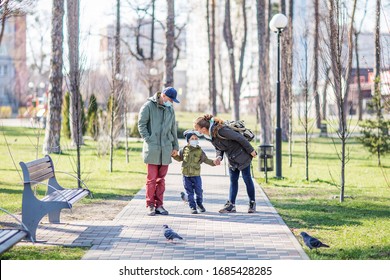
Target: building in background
x,y
13,68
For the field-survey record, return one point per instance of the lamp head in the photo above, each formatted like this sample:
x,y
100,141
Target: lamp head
x,y
278,22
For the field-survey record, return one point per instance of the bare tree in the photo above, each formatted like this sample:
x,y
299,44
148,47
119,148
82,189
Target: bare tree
x,y
211,40
305,78
336,28
10,8
38,40
53,123
117,84
170,36
377,81
228,37
264,97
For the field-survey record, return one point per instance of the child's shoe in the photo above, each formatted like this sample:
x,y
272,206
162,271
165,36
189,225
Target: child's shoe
x,y
201,208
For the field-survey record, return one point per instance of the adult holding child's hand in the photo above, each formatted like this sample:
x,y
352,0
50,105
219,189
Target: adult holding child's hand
x,y
157,126
239,153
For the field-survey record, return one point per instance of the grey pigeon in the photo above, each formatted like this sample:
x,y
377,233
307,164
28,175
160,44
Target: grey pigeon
x,y
184,197
312,242
170,234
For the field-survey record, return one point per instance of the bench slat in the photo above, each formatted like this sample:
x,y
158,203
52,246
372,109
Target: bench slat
x,y
37,161
40,166
10,237
79,196
70,195
6,233
41,175
59,195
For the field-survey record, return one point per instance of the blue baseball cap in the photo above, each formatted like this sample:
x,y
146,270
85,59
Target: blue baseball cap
x,y
171,93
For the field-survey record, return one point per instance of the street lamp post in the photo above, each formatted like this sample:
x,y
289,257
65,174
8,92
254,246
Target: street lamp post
x,y
277,24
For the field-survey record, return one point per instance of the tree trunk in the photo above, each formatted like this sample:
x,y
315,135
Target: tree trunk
x,y
324,94
377,73
74,79
53,123
211,40
262,6
74,72
4,14
306,121
347,105
117,84
170,37
360,96
228,36
284,42
289,75
315,61
152,32
377,82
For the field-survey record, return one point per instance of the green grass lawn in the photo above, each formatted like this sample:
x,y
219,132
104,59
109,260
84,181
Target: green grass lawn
x,y
358,228
121,184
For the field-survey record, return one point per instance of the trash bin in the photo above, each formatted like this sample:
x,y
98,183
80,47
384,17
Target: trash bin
x,y
266,159
323,130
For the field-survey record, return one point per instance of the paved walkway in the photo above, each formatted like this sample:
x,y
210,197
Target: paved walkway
x,y
210,235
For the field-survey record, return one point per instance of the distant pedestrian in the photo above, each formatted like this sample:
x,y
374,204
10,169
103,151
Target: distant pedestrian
x,y
239,153
192,157
157,126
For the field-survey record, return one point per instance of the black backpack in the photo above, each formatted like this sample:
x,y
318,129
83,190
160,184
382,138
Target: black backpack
x,y
239,126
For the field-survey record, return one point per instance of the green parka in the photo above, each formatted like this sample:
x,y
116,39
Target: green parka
x,y
192,157
157,126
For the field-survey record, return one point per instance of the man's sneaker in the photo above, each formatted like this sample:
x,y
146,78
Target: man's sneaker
x,y
160,210
252,207
228,208
150,210
193,210
201,208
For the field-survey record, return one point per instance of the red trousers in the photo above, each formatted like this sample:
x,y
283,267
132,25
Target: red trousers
x,y
155,184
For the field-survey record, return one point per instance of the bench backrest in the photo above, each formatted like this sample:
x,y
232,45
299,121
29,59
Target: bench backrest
x,y
37,170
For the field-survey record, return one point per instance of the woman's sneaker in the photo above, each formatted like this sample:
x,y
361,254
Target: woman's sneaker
x,y
252,207
193,210
228,208
201,208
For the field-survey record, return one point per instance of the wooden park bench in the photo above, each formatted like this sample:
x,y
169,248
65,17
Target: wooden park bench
x,y
41,171
10,236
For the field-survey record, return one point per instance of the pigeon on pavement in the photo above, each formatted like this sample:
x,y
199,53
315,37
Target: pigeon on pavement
x,y
312,242
184,197
170,234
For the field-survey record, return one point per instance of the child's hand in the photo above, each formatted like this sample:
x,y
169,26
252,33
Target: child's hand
x,y
217,161
174,153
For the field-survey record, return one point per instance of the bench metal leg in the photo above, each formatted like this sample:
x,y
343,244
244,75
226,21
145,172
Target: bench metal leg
x,y
32,223
54,216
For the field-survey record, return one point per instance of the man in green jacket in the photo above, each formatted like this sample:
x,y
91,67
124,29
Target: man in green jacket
x,y
157,126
